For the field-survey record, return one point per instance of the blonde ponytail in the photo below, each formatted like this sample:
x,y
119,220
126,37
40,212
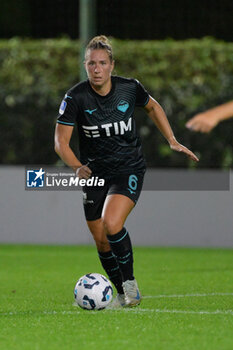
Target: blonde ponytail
x,y
100,42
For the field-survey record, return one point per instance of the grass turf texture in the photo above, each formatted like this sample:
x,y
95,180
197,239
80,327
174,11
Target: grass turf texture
x,y
36,297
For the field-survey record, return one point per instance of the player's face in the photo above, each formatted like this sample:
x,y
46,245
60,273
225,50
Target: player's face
x,y
98,67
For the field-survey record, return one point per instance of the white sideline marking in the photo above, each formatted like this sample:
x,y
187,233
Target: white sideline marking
x,y
136,310
133,310
201,312
184,295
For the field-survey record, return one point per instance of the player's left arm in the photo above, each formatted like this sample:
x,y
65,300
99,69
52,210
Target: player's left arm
x,y
158,116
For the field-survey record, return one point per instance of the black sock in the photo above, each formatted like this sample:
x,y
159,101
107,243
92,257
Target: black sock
x,y
122,249
111,267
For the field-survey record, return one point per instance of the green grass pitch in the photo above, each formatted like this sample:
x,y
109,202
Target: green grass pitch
x,y
187,304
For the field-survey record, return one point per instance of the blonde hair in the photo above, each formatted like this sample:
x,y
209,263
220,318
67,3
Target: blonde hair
x,y
100,42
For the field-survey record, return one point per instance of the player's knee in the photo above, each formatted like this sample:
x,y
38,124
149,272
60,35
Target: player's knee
x,y
111,225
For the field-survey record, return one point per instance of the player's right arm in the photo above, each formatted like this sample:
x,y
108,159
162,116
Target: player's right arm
x,y
62,138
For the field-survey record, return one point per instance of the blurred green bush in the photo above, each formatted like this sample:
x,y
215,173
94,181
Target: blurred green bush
x,y
185,77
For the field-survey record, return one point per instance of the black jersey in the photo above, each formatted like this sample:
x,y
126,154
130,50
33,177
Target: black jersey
x,y
108,140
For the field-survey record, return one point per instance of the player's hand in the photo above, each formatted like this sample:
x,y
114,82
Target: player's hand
x,y
202,122
176,146
83,172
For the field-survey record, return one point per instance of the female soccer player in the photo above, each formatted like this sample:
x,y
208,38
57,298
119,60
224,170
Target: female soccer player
x,y
103,106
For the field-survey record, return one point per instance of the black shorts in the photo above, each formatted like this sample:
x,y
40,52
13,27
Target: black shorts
x,y
130,185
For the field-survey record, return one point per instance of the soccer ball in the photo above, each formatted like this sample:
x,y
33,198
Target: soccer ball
x,y
93,292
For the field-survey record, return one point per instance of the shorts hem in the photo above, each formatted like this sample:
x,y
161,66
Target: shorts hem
x,y
88,219
123,194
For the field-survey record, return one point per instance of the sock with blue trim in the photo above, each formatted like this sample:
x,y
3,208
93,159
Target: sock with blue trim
x,y
122,249
112,269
